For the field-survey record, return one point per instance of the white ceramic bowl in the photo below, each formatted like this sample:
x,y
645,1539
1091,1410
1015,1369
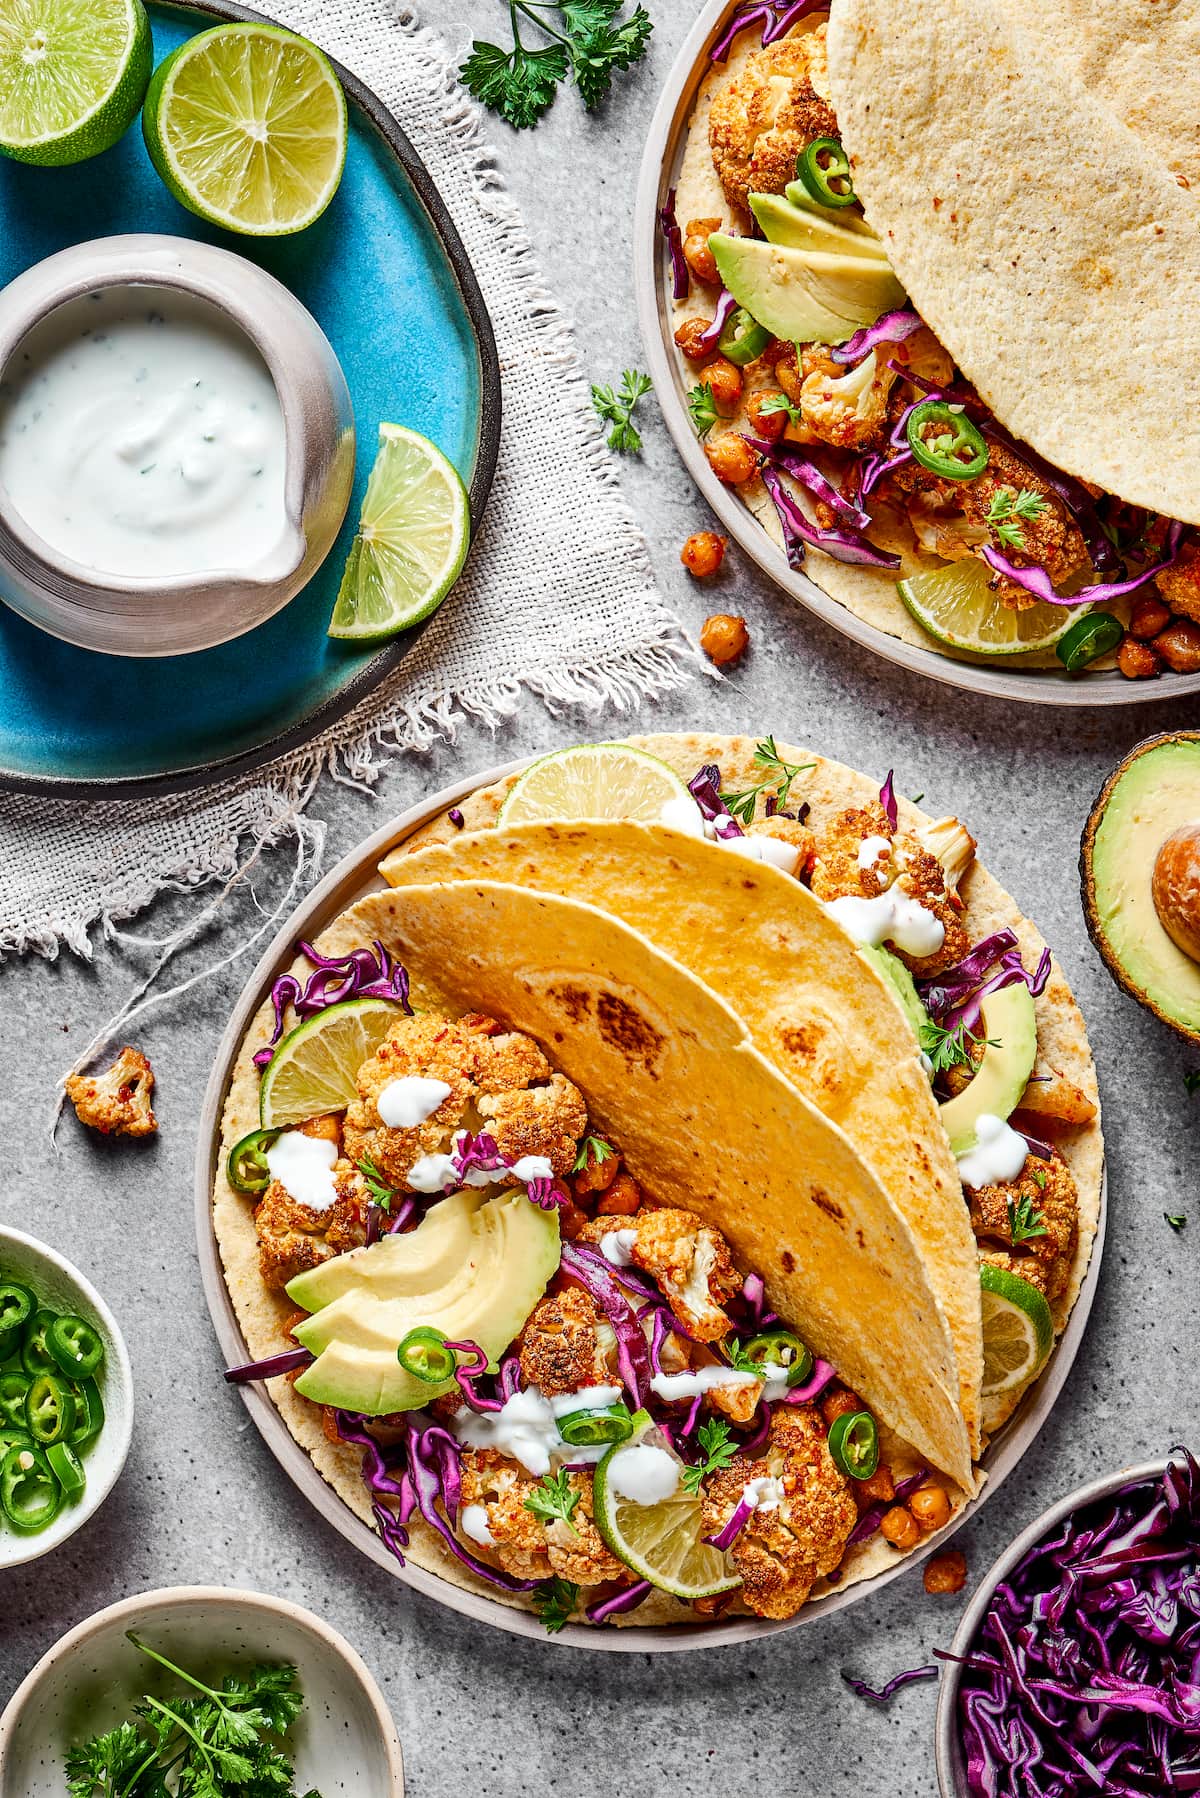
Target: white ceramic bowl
x,y
344,1743
63,1288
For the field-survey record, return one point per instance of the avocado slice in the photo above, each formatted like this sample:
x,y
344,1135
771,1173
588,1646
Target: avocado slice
x,y
800,229
903,987
805,296
1008,1024
847,218
1153,793
473,1269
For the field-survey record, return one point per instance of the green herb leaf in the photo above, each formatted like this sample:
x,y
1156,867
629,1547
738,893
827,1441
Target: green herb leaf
x,y
951,1048
1024,1223
554,1499
380,1191
703,408
618,409
777,786
1176,1219
588,38
779,402
519,84
1039,1178
592,1151
554,1600
1007,511
719,1450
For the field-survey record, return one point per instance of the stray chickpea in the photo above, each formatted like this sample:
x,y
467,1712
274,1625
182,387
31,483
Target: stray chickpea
x,y
723,637
1137,661
731,459
703,553
622,1199
1179,646
946,1572
900,1528
724,381
1148,616
712,1607
839,1404
688,336
597,1176
930,1506
880,1489
696,252
770,425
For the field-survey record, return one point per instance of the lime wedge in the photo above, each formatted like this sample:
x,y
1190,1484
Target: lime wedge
x,y
313,1070
73,74
412,540
594,780
956,605
1018,1331
660,1542
246,124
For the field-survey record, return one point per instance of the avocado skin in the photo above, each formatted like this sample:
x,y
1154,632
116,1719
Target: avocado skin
x,y
1087,879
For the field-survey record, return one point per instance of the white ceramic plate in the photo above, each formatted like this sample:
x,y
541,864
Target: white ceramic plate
x,y
63,1288
651,263
344,1744
354,877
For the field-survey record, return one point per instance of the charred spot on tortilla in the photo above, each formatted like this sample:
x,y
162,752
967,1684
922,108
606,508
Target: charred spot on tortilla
x,y
787,1261
829,1206
576,1001
628,1030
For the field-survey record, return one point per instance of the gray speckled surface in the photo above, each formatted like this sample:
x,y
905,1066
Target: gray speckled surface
x,y
202,1499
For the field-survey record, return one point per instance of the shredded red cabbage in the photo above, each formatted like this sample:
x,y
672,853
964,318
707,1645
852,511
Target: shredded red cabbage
x,y
739,1517
268,1369
1085,1675
477,1154
669,225
456,818
887,799
547,1195
627,1599
358,975
433,1457
709,339
775,18
595,1275
381,1480
794,462
953,998
509,1378
705,789
894,1685
1035,1145
1036,581
842,545
811,1388
871,1519
872,469
893,327
467,1376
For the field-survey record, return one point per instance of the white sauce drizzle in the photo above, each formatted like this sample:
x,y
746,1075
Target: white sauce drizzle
x,y
432,1173
411,1100
617,1247
303,1166
871,850
683,814
763,1494
672,1386
644,1474
999,1153
474,1523
772,850
526,1428
892,918
532,1167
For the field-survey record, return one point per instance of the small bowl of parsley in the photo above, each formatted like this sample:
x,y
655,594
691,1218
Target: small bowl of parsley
x,y
197,1688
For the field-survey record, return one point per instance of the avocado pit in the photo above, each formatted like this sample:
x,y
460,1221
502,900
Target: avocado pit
x,y
1175,887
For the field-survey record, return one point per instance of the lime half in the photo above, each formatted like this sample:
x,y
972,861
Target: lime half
x,y
313,1070
594,780
660,1542
1018,1331
956,605
246,124
412,540
73,74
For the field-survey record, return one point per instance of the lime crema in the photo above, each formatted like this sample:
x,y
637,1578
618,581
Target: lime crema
x,y
141,435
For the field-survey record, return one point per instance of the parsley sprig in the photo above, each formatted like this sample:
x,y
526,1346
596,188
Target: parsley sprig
x,y
554,1600
779,402
1024,1223
618,408
951,1048
703,408
777,784
381,1193
719,1450
1176,1219
1010,510
592,1151
215,1745
553,1499
589,40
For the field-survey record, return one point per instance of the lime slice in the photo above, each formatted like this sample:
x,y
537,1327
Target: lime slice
x,y
594,780
73,74
412,540
246,124
1018,1331
660,1542
956,605
313,1069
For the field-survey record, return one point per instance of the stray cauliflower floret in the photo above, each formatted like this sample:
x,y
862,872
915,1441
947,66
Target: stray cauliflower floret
x,y
952,844
689,1261
783,1550
117,1102
1180,583
847,408
567,1345
763,117
293,1237
1043,1199
521,1542
858,855
499,1081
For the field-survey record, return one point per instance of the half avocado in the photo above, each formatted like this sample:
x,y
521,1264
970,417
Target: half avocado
x,y
1152,795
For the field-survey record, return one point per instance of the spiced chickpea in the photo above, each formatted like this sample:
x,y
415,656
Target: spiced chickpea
x,y
900,1528
1179,646
622,1199
839,1404
1137,661
597,1176
769,425
696,252
723,637
731,459
703,553
930,1506
1148,616
946,1572
880,1489
724,381
687,339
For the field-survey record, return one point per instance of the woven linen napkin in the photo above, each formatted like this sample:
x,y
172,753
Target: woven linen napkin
x,y
537,611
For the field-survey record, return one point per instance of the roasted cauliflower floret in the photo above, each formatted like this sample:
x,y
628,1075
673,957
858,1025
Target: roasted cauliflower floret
x,y
790,831
800,1529
1043,1199
1180,583
521,1542
689,1261
859,856
567,1345
499,1082
293,1237
118,1101
763,117
845,407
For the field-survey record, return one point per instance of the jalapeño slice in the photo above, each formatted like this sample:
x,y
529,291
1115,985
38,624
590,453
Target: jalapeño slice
x,y
247,1165
824,169
425,1355
30,1496
595,1424
945,441
76,1347
854,1444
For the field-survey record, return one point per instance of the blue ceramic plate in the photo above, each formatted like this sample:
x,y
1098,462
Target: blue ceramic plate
x,y
387,277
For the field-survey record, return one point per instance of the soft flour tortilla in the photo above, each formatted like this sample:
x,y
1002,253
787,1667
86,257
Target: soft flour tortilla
x,y
828,788
1049,248
813,1004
